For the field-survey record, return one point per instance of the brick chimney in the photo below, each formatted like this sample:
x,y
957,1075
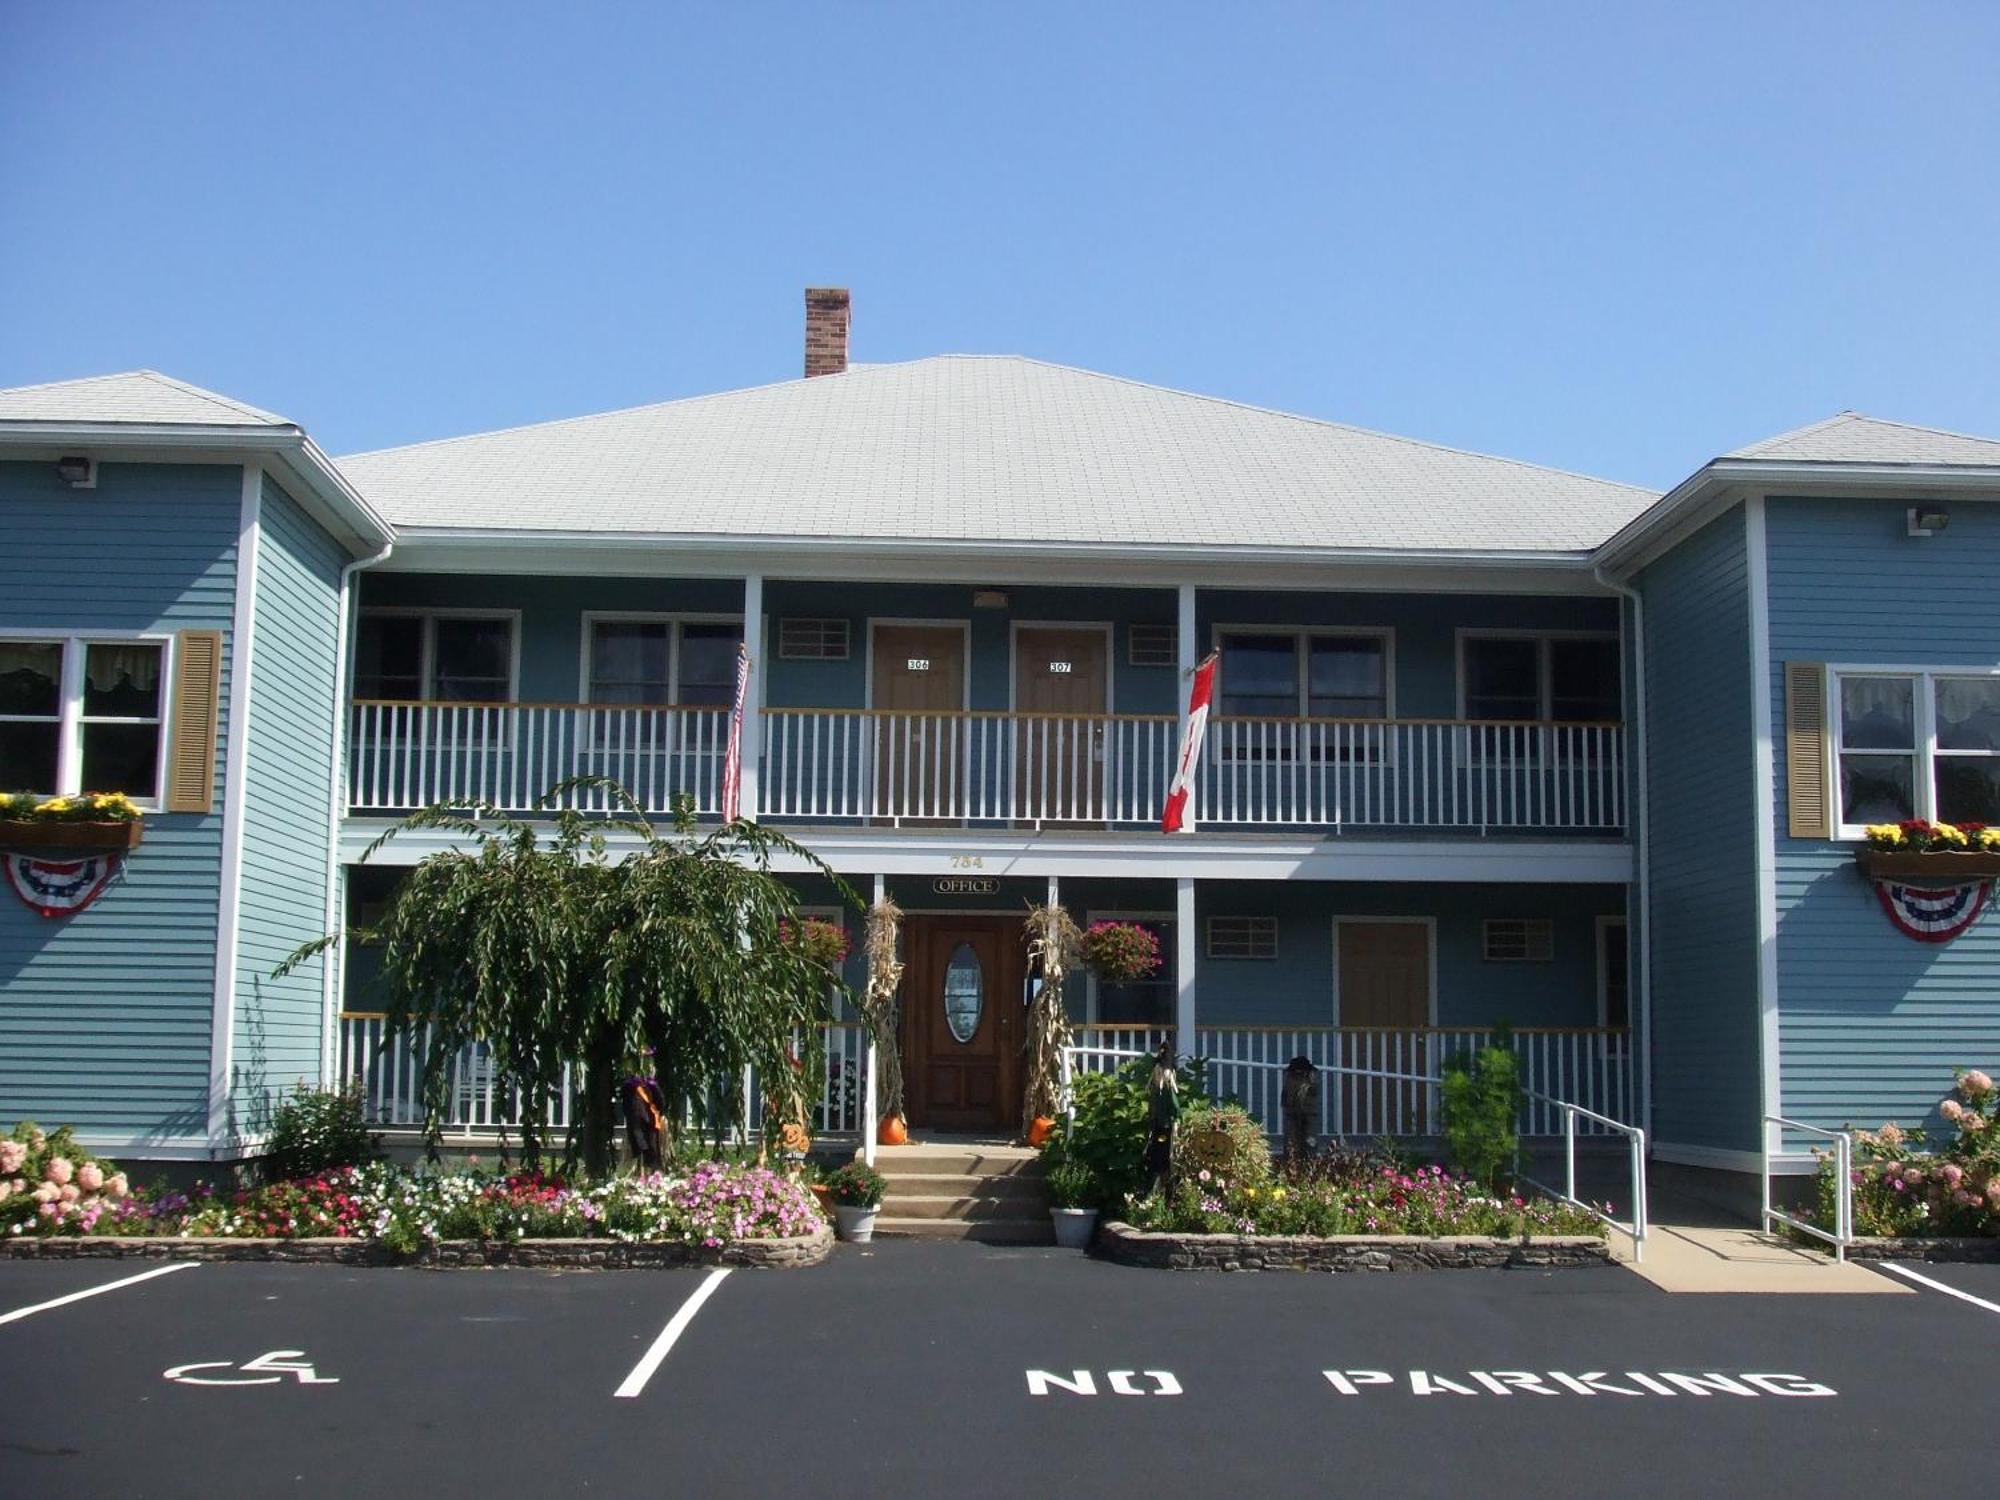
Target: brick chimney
x,y
828,310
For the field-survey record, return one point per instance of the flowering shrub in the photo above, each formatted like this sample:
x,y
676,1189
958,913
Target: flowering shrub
x,y
1902,1188
85,807
405,1210
1919,836
51,1185
857,1185
314,1129
1121,951
1384,1200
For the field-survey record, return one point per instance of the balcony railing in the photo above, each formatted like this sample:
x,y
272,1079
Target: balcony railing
x,y
871,766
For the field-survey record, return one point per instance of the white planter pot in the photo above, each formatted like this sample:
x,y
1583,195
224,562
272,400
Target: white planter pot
x,y
1073,1226
855,1224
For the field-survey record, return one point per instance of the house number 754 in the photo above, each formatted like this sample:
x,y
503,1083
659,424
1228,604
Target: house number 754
x,y
968,861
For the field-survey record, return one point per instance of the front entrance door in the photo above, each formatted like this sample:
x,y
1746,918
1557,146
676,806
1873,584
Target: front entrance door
x,y
1385,991
919,698
1059,677
963,1022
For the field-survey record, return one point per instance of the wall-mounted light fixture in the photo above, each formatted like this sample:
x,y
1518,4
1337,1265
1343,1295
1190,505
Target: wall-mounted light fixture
x,y
76,471
989,599
1928,520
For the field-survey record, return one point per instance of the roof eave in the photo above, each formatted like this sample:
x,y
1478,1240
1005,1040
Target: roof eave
x,y
337,503
1716,484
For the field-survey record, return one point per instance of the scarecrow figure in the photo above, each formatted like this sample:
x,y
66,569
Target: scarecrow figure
x,y
1163,1112
1300,1102
645,1108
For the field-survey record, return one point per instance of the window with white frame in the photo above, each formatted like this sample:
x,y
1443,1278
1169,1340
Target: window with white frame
x,y
1556,679
1309,674
434,657
656,661
1917,745
81,714
1243,937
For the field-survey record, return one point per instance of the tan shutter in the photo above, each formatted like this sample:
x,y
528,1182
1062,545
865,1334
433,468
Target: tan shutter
x,y
197,697
1811,815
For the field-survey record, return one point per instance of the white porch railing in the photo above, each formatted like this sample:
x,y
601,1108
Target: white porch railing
x,y
409,755
1000,769
1635,1166
1843,1193
390,1082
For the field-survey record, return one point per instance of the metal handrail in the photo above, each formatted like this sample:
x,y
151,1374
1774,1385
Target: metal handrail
x,y
1843,1198
1636,1227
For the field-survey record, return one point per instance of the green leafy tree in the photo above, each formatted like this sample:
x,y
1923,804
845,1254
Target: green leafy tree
x,y
1481,1098
570,960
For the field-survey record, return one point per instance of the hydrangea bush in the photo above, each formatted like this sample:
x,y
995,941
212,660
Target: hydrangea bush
x,y
51,1185
1902,1186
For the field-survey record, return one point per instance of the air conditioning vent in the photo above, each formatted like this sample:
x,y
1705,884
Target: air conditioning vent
x,y
1242,937
1151,646
803,639
1517,940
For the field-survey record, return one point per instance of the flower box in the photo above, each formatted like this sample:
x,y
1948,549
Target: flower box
x,y
54,836
1949,865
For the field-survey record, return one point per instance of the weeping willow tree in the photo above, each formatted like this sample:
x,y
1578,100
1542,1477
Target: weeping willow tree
x,y
570,960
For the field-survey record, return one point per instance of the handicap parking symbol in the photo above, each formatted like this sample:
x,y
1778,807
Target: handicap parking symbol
x,y
265,1369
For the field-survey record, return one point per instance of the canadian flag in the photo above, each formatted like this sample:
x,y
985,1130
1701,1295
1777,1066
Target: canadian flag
x,y
1192,733
732,760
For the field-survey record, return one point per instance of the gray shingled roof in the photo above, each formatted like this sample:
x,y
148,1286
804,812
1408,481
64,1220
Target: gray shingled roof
x,y
1851,438
140,397
988,448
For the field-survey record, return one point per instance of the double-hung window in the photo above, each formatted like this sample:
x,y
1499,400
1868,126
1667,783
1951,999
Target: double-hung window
x,y
82,714
1303,675
435,657
1544,679
1917,745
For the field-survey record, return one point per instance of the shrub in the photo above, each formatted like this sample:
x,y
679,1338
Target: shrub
x,y
1108,1134
1224,1141
51,1185
857,1185
1900,1187
315,1130
1073,1185
1481,1096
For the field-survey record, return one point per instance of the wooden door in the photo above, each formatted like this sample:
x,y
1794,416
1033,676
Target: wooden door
x,y
1059,688
1385,1011
963,1022
919,693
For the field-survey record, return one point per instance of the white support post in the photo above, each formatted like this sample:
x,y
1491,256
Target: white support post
x,y
753,697
1184,948
868,1105
1189,653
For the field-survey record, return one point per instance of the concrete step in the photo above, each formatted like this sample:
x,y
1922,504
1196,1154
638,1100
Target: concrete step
x,y
971,1209
1014,1185
956,1161
1018,1231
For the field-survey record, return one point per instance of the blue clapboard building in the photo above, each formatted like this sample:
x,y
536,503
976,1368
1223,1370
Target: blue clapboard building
x,y
1489,744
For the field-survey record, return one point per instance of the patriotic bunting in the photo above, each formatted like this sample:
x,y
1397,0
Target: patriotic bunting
x,y
60,887
1933,914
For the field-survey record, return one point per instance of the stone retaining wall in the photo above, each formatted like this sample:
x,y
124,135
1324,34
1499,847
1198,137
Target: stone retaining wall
x,y
571,1254
1914,1248
1345,1252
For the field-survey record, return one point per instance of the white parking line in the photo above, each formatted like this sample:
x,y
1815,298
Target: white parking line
x,y
676,1326
109,1286
1939,1286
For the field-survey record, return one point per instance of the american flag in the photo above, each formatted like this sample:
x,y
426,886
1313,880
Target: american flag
x,y
1175,812
732,761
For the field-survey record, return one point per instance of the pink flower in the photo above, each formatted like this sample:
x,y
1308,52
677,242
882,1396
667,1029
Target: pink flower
x,y
117,1186
1972,1122
1914,1176
47,1193
59,1170
69,1192
6,1191
90,1177
1975,1085
1952,1173
12,1155
1951,1109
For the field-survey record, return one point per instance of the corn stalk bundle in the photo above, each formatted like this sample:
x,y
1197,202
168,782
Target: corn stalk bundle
x,y
1054,944
878,1002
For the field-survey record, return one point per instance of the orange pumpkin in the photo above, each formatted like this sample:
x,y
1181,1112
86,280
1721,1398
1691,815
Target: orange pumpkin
x,y
1039,1131
892,1131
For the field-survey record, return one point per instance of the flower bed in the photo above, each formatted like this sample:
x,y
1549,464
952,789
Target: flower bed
x,y
380,1211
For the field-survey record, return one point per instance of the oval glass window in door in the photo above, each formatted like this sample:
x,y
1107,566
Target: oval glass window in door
x,y
964,992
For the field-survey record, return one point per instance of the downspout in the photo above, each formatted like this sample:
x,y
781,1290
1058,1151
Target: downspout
x,y
333,969
1644,845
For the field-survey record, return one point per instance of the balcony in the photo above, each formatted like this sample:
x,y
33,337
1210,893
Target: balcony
x,y
871,767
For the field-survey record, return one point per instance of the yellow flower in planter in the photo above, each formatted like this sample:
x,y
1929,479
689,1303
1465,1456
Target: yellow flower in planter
x,y
1885,835
114,805
56,806
1989,838
1948,836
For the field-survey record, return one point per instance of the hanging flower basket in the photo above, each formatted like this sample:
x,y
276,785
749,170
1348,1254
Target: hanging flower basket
x,y
1120,952
55,836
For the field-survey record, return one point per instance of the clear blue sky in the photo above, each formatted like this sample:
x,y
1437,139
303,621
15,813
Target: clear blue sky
x,y
1613,238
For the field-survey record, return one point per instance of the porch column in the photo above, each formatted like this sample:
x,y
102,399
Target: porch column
x,y
752,765
1184,948
1189,654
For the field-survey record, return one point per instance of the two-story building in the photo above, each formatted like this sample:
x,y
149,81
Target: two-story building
x,y
1491,743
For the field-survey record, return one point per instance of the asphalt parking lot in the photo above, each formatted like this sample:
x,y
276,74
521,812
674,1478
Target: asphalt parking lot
x,y
910,1368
